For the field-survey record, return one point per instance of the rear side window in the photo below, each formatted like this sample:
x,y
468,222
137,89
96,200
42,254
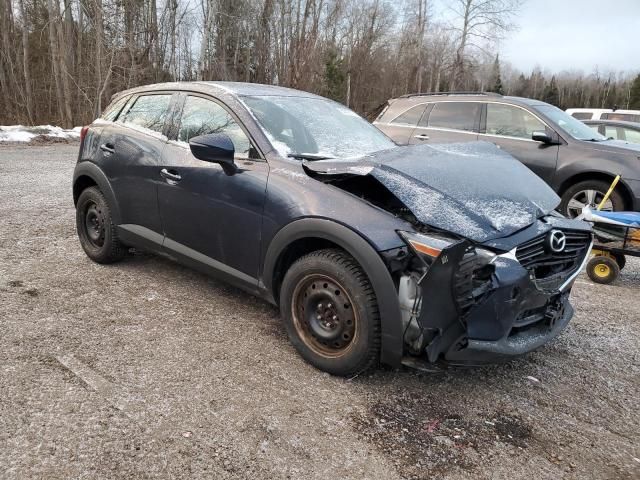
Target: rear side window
x,y
113,110
611,132
411,117
149,111
582,115
626,117
509,121
632,136
201,116
455,116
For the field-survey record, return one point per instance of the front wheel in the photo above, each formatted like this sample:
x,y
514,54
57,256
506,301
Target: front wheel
x,y
589,193
331,313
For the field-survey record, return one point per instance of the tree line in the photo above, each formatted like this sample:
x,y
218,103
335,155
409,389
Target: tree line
x,y
62,60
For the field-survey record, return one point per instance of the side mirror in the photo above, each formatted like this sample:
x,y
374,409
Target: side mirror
x,y
543,137
215,148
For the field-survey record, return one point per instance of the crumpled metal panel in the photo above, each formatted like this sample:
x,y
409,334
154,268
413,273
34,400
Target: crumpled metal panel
x,y
474,189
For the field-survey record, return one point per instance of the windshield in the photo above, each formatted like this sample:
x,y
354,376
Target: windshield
x,y
572,126
304,126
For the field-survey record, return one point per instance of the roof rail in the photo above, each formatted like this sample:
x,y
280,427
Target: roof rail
x,y
491,94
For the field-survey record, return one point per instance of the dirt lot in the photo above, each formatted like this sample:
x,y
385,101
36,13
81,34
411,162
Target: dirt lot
x,y
147,369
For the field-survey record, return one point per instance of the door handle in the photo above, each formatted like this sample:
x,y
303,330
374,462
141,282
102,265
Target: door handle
x,y
171,176
421,136
107,148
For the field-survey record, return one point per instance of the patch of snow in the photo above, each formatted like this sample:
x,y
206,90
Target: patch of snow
x,y
456,148
292,174
428,205
147,131
361,170
179,143
24,134
502,213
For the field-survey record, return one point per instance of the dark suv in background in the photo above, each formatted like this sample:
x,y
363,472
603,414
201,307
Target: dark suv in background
x,y
574,159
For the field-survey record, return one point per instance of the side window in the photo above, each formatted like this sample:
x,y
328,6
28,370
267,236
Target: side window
x,y
611,132
201,116
632,136
582,115
455,115
626,117
411,117
113,110
149,111
511,121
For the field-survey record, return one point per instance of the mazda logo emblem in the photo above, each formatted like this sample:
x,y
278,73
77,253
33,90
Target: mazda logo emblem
x,y
556,241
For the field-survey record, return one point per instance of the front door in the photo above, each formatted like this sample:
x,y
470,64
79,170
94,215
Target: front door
x,y
510,128
209,217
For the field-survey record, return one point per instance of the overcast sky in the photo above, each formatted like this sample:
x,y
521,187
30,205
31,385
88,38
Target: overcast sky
x,y
576,34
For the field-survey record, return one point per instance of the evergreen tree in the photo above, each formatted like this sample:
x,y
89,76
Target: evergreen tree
x,y
551,93
634,97
495,77
522,87
334,76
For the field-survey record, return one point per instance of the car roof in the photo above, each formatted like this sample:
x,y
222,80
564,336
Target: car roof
x,y
416,98
232,88
617,123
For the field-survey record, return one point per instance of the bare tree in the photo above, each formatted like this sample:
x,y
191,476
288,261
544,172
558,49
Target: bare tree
x,y
479,22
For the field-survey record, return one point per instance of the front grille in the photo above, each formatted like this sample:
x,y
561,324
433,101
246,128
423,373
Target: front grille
x,y
549,269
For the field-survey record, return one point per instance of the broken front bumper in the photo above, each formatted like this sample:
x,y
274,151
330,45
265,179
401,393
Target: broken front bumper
x,y
507,313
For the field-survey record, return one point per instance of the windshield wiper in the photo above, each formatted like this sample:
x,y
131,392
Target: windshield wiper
x,y
308,156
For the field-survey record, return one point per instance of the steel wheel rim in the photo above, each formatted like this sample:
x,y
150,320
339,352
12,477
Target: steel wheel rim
x,y
323,315
94,225
591,198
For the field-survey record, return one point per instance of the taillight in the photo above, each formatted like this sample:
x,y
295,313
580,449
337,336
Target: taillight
x,y
83,133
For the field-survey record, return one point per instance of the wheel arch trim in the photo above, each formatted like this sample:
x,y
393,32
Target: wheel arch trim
x,y
596,175
93,172
368,258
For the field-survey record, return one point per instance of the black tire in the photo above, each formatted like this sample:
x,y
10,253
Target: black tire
x,y
331,313
97,233
603,269
621,260
601,187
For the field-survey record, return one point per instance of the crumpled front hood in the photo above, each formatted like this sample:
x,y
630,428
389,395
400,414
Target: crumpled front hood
x,y
471,189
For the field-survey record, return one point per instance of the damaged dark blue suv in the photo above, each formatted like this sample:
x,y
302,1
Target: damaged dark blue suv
x,y
373,252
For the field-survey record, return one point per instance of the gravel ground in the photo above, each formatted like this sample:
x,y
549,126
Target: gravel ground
x,y
147,369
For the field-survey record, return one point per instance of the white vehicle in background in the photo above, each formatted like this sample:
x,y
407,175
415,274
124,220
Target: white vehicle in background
x,y
604,114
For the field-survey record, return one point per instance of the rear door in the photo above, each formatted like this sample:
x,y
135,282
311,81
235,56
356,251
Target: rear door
x,y
448,122
210,218
510,127
402,126
132,149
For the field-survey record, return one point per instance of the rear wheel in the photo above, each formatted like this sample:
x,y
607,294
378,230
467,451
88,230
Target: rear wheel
x,y
589,193
96,230
331,313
